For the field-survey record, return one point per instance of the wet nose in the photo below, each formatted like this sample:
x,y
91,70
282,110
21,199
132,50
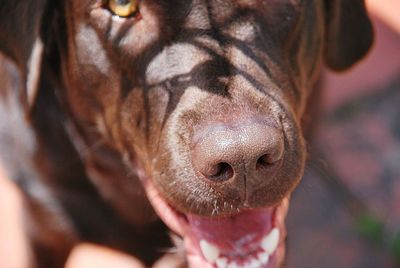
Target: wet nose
x,y
249,149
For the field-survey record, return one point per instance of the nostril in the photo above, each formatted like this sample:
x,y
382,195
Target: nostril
x,y
264,161
219,172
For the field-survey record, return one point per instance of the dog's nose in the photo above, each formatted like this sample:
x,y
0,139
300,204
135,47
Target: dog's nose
x,y
249,150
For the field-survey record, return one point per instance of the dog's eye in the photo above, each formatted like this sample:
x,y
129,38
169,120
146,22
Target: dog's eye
x,y
123,8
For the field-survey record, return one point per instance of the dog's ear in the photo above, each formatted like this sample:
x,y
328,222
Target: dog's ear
x,y
21,47
349,33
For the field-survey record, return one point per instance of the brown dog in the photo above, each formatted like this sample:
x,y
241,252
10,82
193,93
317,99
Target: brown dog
x,y
115,114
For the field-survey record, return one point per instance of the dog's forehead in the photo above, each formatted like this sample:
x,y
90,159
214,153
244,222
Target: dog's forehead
x,y
203,13
222,21
165,20
180,43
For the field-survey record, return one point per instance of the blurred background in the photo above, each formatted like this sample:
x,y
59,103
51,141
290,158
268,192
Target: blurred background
x,y
346,211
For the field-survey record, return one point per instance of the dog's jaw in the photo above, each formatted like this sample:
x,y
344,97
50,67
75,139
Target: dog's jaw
x,y
250,238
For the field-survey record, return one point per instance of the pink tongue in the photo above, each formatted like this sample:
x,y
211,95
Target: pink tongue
x,y
239,232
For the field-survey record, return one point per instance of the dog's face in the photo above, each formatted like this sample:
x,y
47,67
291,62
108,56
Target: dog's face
x,y
204,100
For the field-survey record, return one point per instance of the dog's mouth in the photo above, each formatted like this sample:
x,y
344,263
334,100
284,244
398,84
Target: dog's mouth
x,y
250,238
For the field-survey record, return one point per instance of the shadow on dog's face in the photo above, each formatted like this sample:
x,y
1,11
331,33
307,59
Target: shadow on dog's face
x,y
205,100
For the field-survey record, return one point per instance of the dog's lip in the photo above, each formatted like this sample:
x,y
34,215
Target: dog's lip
x,y
184,226
175,220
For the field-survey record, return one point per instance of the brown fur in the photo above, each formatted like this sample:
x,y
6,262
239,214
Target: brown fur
x,y
120,102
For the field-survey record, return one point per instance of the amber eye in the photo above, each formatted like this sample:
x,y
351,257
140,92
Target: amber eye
x,y
123,8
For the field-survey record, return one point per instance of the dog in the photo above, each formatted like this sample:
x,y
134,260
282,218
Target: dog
x,y
123,121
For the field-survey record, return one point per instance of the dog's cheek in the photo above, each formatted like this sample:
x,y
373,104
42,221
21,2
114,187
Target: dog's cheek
x,y
94,101
142,117
134,119
92,82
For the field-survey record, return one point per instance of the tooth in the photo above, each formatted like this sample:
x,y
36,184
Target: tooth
x,y
263,257
210,252
270,241
222,262
254,263
233,265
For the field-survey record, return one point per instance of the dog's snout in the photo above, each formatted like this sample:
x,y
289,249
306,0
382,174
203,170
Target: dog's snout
x,y
246,151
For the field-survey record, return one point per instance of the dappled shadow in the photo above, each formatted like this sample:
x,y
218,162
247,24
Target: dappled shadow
x,y
210,76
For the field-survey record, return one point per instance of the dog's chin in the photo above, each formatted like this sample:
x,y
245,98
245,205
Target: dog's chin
x,y
250,238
